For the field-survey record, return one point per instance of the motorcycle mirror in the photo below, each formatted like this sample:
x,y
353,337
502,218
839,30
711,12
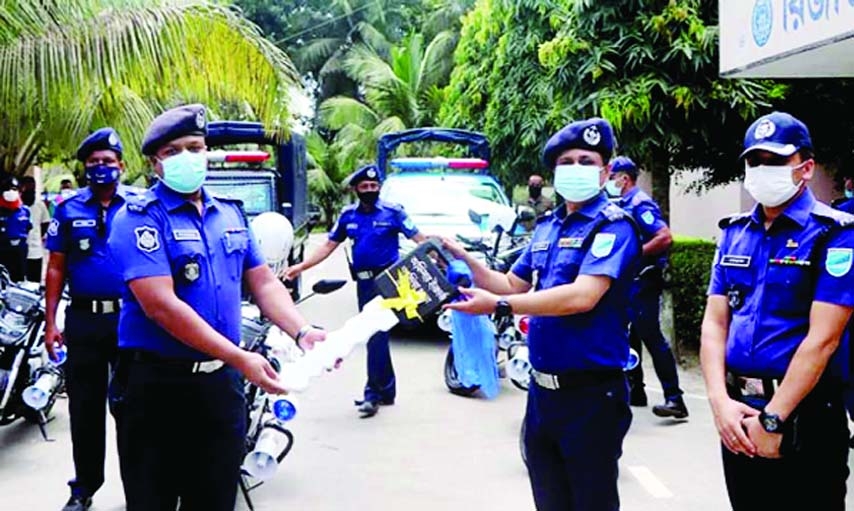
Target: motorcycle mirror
x,y
326,286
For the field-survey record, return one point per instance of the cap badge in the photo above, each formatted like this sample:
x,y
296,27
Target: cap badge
x,y
592,136
113,139
371,173
200,119
765,129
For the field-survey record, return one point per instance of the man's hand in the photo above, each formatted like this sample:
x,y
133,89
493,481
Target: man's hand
x,y
767,444
455,248
478,301
306,342
258,371
53,340
729,415
294,271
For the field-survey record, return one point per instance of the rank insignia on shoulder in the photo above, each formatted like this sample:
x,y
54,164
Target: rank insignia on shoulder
x,y
147,238
192,271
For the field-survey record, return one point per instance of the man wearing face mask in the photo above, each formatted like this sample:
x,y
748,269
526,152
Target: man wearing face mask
x,y
184,256
15,226
583,259
536,200
373,225
846,203
647,288
77,241
780,295
40,219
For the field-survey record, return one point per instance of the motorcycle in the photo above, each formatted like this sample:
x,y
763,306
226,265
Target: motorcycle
x,y
268,440
508,243
29,380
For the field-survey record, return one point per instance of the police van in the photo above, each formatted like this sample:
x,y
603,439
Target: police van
x,y
265,171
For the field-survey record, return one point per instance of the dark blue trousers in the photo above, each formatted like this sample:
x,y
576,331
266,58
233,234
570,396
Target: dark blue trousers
x,y
573,440
381,382
91,340
645,329
183,437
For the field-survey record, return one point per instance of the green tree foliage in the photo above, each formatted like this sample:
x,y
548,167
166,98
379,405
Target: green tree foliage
x,y
649,66
325,176
68,66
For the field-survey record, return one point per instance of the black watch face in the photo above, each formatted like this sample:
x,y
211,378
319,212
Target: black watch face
x,y
502,308
771,423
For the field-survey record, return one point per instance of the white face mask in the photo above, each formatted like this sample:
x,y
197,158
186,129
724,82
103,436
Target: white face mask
x,y
10,195
577,183
770,185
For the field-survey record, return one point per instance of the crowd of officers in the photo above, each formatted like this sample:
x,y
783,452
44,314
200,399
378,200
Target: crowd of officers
x,y
160,326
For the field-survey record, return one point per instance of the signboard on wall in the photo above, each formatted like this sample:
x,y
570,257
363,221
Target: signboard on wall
x,y
786,38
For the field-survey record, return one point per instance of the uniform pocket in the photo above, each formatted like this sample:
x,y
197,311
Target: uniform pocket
x,y
786,288
235,243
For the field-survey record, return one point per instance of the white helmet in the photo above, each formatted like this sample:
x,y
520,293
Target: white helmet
x,y
275,236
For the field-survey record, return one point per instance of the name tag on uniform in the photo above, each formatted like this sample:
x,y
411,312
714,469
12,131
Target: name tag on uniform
x,y
83,223
186,235
352,226
736,261
570,242
382,224
540,246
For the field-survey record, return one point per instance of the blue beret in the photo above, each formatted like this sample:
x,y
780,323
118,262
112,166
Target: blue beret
x,y
104,138
368,172
779,133
594,134
624,164
175,123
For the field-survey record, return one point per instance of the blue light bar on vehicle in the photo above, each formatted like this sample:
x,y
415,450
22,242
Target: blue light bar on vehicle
x,y
439,163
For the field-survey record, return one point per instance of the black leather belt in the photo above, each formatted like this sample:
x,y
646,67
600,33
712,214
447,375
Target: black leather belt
x,y
96,306
749,387
366,274
574,379
183,365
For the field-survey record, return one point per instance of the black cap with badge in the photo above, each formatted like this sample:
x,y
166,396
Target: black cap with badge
x,y
175,123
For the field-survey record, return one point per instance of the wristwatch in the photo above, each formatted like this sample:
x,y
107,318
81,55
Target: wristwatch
x,y
770,422
503,308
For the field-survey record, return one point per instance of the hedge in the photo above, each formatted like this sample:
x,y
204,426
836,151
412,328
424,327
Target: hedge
x,y
690,264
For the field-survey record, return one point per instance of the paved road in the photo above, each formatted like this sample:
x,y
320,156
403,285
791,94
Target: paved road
x,y
431,451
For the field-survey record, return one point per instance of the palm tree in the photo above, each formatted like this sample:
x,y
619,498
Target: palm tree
x,y
402,91
325,176
68,66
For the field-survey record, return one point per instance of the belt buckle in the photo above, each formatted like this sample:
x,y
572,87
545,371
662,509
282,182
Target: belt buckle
x,y
209,366
108,307
545,380
754,386
364,275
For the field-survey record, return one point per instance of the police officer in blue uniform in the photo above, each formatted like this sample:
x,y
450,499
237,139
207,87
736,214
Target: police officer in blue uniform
x,y
772,349
79,256
15,226
373,225
581,261
184,255
646,291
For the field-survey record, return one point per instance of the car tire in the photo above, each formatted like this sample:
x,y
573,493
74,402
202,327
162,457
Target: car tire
x,y
452,380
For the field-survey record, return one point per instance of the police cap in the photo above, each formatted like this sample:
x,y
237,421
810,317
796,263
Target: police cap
x,y
594,134
175,123
366,173
624,164
779,133
99,140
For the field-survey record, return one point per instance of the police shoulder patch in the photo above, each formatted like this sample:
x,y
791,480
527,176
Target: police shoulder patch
x,y
408,224
53,228
603,244
647,217
838,261
147,238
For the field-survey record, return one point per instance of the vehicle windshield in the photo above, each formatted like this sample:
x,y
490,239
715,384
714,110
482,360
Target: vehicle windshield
x,y
257,195
448,196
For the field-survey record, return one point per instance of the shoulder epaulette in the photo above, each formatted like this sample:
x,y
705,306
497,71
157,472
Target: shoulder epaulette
x,y
727,221
641,197
139,203
349,207
613,212
391,205
827,214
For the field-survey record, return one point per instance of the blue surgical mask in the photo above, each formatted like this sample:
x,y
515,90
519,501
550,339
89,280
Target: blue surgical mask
x,y
577,183
849,194
185,172
102,174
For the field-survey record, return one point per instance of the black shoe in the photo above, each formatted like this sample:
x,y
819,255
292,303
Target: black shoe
x,y
637,396
77,503
368,409
673,407
383,402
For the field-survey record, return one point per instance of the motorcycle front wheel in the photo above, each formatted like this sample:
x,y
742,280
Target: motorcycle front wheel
x,y
452,379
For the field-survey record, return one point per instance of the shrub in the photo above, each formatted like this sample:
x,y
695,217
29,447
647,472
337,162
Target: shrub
x,y
690,265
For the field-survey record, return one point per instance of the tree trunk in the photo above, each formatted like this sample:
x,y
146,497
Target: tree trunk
x,y
659,168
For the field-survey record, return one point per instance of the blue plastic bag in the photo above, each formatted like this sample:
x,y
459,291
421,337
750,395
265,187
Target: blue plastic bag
x,y
473,341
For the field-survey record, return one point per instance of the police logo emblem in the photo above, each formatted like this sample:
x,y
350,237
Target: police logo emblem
x,y
603,244
838,261
762,22
592,136
113,139
200,119
371,173
647,217
765,129
84,244
192,271
147,238
53,228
